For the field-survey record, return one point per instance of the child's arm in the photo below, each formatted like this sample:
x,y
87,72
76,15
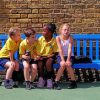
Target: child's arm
x,y
10,48
22,51
11,54
24,56
70,49
60,48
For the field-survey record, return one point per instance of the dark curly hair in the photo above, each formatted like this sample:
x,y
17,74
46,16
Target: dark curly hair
x,y
51,27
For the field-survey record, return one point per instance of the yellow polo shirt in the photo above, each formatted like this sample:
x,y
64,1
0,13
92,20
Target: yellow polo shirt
x,y
9,45
47,48
24,46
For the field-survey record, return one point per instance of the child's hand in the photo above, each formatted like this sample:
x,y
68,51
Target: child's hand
x,y
68,63
26,57
63,63
37,58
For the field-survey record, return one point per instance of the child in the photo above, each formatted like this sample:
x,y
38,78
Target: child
x,y
28,54
48,48
65,42
7,55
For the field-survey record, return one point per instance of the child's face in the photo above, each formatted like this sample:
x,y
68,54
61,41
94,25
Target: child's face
x,y
65,30
46,32
31,38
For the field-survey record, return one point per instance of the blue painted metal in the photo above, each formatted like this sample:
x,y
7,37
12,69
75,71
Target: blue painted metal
x,y
85,39
84,49
91,51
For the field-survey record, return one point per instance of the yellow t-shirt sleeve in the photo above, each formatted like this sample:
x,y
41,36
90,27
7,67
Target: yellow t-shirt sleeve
x,y
10,45
55,47
22,49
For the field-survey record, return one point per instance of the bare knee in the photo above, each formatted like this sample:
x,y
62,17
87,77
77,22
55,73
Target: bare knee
x,y
16,66
34,68
49,64
62,65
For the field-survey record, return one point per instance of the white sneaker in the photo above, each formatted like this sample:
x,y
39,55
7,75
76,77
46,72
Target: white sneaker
x,y
49,83
40,83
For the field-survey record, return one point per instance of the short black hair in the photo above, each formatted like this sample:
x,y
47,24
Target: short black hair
x,y
29,31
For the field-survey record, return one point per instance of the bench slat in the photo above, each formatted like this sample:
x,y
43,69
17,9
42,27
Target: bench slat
x,y
84,47
91,53
78,47
87,65
97,49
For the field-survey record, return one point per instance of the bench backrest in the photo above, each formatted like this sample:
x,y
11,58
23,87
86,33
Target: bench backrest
x,y
87,45
84,45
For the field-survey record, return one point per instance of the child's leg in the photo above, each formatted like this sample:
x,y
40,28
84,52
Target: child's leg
x,y
15,74
71,72
49,68
50,72
60,71
16,66
40,74
26,70
10,70
40,68
73,84
34,72
27,74
8,83
58,76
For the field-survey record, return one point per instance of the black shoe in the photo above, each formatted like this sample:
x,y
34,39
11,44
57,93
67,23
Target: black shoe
x,y
28,85
32,85
15,84
56,86
72,85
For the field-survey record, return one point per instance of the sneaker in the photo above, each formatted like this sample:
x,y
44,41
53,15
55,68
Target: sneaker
x,y
28,85
8,84
40,83
72,85
49,83
56,86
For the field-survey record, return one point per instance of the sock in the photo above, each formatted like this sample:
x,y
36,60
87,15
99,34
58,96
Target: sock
x,y
49,75
53,75
15,76
27,82
73,81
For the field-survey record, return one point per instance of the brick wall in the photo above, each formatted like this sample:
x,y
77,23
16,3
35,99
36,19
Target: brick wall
x,y
82,15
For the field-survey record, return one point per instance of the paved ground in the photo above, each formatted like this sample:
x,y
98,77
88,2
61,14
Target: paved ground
x,y
85,91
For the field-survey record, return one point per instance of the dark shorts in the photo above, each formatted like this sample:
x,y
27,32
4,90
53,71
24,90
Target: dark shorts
x,y
65,57
32,61
3,61
21,63
44,60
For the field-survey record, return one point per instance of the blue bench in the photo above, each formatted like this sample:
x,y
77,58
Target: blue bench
x,y
88,45
84,44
